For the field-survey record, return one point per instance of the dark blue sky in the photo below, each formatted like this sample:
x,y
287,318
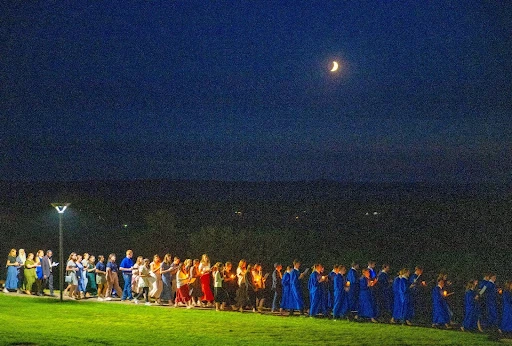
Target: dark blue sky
x,y
239,90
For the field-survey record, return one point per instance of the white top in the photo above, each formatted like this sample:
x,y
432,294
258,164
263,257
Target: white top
x,y
181,278
204,267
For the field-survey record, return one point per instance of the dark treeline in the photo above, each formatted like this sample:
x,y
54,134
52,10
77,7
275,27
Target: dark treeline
x,y
462,230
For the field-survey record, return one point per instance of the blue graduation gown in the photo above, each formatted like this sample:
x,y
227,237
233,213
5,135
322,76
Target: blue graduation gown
x,y
285,298
506,319
366,307
440,309
491,304
401,298
296,300
340,307
471,310
384,293
330,298
353,293
315,294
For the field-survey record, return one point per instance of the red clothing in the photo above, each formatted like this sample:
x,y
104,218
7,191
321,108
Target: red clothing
x,y
205,287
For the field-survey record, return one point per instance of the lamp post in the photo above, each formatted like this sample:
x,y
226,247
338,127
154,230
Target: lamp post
x,y
61,208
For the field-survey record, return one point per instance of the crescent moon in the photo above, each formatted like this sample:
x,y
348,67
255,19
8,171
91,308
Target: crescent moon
x,y
334,66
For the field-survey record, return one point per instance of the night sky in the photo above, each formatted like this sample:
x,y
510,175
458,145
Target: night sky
x,y
241,90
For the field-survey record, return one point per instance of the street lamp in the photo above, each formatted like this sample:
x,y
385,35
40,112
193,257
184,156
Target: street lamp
x,y
61,208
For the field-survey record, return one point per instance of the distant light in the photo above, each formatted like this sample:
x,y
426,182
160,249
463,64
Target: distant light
x,y
238,212
375,213
61,207
125,226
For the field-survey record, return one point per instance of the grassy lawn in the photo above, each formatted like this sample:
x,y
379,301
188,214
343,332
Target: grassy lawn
x,y
45,321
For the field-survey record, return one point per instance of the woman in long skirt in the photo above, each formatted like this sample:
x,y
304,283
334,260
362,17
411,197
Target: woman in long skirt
x,y
182,281
11,281
29,273
204,269
91,287
165,271
156,287
195,286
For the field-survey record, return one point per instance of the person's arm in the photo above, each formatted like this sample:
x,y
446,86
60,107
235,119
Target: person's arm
x,y
125,270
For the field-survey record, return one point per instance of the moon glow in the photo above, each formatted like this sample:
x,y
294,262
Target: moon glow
x,y
335,66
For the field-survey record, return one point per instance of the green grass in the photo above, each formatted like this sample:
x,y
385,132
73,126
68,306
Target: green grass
x,y
44,321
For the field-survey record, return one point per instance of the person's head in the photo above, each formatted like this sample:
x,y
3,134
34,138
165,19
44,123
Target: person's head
x,y
188,262
129,253
220,266
249,268
242,264
112,257
508,286
342,269
21,252
371,264
366,273
440,282
228,266
92,259
40,253
176,260
49,253
30,256
86,256
205,259
257,267
471,284
12,253
355,265
278,266
145,262
72,256
418,270
492,277
288,269
79,258
140,260
385,268
196,262
101,258
167,258
296,264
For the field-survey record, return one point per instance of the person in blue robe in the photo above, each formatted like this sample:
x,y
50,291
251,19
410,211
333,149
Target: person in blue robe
x,y
330,282
491,302
366,307
471,307
353,292
340,304
324,284
371,269
285,297
384,292
506,318
401,297
440,310
296,302
416,285
316,293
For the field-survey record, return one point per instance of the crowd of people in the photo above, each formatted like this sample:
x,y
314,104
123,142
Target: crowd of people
x,y
343,292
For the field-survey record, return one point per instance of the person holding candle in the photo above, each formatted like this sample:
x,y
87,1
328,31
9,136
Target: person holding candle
x,y
258,284
417,286
242,294
286,296
204,269
366,307
506,318
231,285
471,307
219,293
441,314
491,302
330,286
340,288
182,281
195,285
316,292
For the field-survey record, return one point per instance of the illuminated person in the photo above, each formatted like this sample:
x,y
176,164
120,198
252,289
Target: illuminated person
x,y
11,281
195,286
38,289
353,292
47,269
218,289
366,307
22,257
258,284
182,280
340,303
371,269
126,267
296,302
91,288
231,285
71,272
143,282
471,306
135,275
506,317
277,287
80,276
112,278
29,273
101,278
441,314
315,281
165,271
156,283
330,286
204,269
